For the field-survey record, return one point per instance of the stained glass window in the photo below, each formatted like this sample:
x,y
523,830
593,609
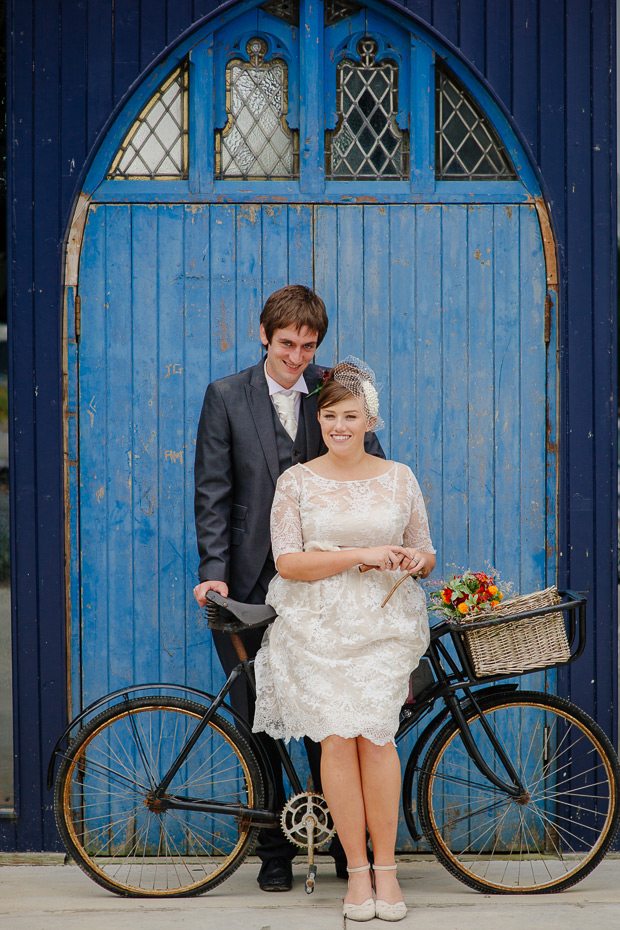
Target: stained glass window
x,y
156,145
367,143
256,143
467,146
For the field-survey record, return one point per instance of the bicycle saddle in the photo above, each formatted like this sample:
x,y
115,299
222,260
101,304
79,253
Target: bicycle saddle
x,y
230,616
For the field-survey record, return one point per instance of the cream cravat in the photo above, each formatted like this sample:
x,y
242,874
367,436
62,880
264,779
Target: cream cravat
x,y
285,405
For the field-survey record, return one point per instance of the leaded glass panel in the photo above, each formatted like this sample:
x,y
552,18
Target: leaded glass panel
x,y
467,146
256,143
156,146
367,143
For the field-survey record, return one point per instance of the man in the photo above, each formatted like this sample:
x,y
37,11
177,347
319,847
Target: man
x,y
254,425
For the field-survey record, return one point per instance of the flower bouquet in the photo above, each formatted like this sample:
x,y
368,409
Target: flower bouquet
x,y
466,594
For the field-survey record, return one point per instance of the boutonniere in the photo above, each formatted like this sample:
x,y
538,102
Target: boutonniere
x,y
323,379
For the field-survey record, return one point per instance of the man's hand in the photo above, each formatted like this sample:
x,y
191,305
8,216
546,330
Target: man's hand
x,y
200,591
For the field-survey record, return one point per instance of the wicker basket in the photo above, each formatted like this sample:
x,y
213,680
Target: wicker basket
x,y
515,647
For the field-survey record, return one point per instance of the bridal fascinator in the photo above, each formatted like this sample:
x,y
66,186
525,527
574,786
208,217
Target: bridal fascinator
x,y
359,379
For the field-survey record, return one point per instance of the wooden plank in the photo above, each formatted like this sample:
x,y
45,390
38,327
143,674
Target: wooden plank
x,y
171,434
152,32
300,236
350,281
498,69
403,333
525,77
508,412
223,275
99,68
126,53
248,284
472,38
145,452
326,279
376,320
115,522
274,249
481,493
532,291
203,667
93,464
425,379
451,537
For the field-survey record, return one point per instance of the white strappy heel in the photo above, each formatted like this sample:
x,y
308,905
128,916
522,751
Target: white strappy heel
x,y
383,910
364,911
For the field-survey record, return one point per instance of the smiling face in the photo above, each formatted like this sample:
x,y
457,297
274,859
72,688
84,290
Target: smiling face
x,y
343,425
289,353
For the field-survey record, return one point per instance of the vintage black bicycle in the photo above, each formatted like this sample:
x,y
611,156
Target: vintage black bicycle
x,y
159,794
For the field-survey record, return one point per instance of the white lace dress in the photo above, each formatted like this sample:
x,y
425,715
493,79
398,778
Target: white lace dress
x,y
333,662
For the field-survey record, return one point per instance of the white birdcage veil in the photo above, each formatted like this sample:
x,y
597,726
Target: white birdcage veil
x,y
359,379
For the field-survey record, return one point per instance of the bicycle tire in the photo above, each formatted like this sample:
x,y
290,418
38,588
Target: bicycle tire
x,y
102,791
555,834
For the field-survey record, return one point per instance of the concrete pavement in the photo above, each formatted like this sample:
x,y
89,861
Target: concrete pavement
x,y
53,896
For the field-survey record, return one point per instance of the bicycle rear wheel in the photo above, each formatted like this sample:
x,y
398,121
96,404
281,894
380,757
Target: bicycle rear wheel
x,y
557,831
109,824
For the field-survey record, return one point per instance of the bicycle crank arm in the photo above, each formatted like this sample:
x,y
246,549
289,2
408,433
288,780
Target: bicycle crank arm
x,y
255,815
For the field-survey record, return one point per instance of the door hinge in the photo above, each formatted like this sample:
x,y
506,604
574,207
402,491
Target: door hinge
x,y
548,309
77,318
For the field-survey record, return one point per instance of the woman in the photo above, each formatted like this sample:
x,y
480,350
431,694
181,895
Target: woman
x,y
334,665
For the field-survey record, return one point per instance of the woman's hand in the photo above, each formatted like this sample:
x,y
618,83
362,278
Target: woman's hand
x,y
418,563
384,558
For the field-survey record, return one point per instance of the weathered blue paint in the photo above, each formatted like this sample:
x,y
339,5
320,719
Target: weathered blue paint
x,y
67,72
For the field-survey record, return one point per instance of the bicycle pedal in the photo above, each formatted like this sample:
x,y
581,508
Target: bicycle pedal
x,y
311,879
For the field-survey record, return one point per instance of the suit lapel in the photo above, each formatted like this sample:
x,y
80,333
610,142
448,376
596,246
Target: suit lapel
x,y
260,406
314,440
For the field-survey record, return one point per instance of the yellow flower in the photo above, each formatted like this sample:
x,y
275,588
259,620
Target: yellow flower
x,y
492,589
463,608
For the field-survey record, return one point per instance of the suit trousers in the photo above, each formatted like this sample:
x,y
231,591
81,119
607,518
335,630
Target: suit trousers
x,y
271,842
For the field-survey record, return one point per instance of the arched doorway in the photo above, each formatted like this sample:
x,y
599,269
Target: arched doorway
x,y
361,157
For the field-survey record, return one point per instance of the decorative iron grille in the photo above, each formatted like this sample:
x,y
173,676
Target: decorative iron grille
x,y
335,10
288,10
467,146
156,146
256,143
367,143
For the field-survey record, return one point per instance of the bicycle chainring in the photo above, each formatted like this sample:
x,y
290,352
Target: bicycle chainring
x,y
304,811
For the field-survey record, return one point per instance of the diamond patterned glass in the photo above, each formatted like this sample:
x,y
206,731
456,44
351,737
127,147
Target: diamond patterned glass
x,y
367,143
467,146
156,146
256,143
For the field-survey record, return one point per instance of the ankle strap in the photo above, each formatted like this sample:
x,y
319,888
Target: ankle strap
x,y
362,868
385,868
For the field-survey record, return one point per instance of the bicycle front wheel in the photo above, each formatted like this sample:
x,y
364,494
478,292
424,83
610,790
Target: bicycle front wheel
x,y
105,811
560,827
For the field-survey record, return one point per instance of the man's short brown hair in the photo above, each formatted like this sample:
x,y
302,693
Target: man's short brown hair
x,y
297,306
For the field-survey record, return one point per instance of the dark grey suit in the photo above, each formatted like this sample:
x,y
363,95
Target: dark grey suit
x,y
241,450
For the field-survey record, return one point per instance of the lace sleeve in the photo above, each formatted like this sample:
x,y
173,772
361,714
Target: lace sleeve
x,y
417,533
286,535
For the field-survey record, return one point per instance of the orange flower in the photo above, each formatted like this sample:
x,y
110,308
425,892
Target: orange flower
x,y
445,596
500,595
494,603
463,608
492,589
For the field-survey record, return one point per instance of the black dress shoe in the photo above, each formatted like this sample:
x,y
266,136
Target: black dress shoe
x,y
275,874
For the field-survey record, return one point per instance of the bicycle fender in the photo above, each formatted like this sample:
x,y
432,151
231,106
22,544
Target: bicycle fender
x,y
125,693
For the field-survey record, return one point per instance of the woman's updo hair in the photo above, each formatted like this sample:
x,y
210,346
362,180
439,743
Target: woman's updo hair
x,y
352,378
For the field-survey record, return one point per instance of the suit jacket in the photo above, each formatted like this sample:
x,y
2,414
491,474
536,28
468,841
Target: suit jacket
x,y
236,469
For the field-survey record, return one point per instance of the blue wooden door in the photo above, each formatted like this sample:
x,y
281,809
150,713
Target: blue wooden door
x,y
445,302
432,273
